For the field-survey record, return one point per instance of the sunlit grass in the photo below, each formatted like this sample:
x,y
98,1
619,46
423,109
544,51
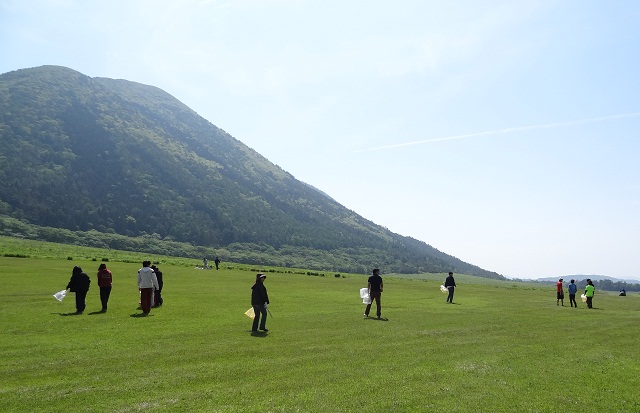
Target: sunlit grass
x,y
502,347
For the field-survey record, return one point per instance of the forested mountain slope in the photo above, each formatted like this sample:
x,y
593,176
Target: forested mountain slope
x,y
120,157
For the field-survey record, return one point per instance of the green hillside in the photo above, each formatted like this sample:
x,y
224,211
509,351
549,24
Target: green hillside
x,y
107,159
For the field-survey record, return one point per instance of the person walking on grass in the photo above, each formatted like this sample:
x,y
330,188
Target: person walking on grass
x,y
259,302
79,284
559,293
104,282
147,283
374,286
157,296
450,284
573,289
589,292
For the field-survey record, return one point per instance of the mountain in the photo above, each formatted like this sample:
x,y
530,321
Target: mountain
x,y
117,157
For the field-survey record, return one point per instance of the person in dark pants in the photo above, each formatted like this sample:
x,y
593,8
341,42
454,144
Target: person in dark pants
x,y
375,286
573,289
104,282
157,296
259,302
79,284
147,283
559,293
217,262
589,292
450,284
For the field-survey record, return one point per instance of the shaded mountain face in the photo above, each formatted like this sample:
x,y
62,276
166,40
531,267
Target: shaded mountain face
x,y
115,156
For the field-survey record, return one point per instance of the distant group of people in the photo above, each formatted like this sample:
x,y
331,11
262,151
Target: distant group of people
x,y
589,292
150,285
205,263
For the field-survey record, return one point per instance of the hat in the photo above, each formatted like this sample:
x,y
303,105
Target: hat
x,y
260,275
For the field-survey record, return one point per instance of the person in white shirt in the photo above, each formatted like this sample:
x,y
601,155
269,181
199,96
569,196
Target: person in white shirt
x,y
147,283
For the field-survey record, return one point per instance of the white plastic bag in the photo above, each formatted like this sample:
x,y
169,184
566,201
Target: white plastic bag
x,y
584,298
60,295
444,289
364,294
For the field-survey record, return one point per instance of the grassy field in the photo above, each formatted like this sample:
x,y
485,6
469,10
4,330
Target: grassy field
x,y
502,347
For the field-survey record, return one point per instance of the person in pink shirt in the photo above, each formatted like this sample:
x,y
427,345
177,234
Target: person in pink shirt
x,y
104,282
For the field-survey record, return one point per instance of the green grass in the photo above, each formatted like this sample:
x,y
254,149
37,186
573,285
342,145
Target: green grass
x,y
503,346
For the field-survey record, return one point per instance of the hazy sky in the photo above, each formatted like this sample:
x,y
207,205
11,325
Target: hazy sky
x,y
504,133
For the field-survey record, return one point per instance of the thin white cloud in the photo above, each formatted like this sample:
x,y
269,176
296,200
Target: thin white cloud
x,y
504,131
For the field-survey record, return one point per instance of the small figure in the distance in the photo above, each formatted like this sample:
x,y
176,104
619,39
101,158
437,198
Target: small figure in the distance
x,y
450,284
560,293
573,289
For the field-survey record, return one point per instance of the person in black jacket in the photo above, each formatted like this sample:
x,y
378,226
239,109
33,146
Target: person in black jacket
x,y
374,286
450,283
157,296
79,284
259,302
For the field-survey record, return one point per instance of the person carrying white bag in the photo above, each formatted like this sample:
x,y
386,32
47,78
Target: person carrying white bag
x,y
79,284
374,287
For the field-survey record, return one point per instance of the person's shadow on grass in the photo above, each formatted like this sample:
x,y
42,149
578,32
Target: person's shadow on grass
x,y
140,315
377,318
261,334
68,314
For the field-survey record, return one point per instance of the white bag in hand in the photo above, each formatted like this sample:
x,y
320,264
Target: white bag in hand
x,y
364,294
60,295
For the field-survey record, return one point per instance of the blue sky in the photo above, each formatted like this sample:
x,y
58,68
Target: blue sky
x,y
504,133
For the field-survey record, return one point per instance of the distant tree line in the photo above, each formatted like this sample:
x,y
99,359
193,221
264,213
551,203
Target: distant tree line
x,y
351,260
609,285
604,285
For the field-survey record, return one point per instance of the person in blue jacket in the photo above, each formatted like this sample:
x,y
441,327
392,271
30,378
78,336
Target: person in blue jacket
x,y
573,289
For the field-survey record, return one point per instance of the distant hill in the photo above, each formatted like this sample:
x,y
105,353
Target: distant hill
x,y
584,277
117,157
601,282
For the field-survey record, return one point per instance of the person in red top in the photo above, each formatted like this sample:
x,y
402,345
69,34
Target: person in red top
x,y
104,282
560,291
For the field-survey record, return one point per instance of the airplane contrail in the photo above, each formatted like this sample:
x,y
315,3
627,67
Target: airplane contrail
x,y
503,131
